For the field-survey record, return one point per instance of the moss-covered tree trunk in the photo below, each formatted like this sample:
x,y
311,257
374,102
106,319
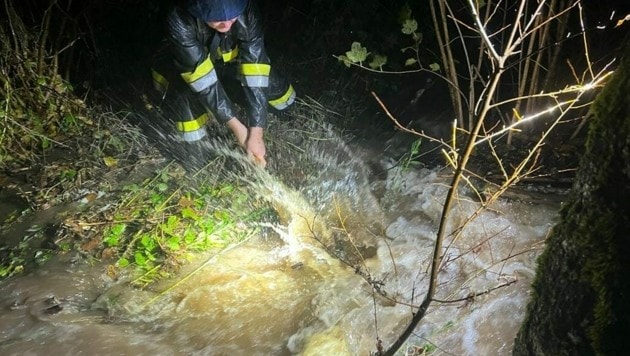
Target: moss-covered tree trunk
x,y
581,296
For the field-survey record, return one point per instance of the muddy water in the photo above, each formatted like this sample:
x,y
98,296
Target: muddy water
x,y
288,295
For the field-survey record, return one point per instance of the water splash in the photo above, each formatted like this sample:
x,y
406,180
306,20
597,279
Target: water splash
x,y
318,187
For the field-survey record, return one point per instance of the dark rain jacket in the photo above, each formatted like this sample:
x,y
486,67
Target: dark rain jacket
x,y
190,41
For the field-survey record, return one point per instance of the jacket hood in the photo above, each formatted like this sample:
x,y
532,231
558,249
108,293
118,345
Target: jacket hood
x,y
216,10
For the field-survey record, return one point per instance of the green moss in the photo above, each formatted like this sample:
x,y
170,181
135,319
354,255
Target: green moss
x,y
581,301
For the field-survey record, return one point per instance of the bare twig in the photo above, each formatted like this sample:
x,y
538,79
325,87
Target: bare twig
x,y
526,26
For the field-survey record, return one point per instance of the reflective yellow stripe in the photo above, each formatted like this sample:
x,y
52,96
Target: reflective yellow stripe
x,y
204,68
229,56
255,75
159,82
192,125
202,77
285,100
255,69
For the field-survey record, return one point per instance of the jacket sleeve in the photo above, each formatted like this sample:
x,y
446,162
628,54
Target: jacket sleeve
x,y
255,65
192,60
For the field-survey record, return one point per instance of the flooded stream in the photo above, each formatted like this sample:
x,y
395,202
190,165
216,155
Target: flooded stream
x,y
288,293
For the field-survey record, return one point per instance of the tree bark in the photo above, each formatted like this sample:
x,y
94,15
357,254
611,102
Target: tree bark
x,y
581,296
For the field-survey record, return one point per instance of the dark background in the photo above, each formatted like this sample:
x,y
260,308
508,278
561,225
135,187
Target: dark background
x,y
105,48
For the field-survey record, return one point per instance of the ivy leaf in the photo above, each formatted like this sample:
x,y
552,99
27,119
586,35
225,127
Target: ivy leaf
x,y
410,62
409,27
434,67
378,61
357,53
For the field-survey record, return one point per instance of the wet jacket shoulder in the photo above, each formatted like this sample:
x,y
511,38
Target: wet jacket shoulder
x,y
254,62
249,35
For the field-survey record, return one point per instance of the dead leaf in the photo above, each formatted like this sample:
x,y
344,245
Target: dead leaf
x,y
185,202
110,161
90,245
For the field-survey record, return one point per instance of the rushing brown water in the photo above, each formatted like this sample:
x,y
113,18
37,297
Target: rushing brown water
x,y
285,295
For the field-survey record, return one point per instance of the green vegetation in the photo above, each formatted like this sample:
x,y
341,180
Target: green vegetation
x,y
588,249
14,259
157,226
358,54
37,108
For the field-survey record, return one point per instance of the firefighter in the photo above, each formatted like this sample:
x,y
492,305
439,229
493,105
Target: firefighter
x,y
207,40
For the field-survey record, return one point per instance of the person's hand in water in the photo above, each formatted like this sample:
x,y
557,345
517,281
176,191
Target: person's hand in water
x,y
256,146
251,140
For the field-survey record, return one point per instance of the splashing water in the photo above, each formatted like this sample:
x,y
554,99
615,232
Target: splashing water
x,y
345,270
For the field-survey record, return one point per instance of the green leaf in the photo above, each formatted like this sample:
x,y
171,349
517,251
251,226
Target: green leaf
x,y
172,222
378,61
222,215
417,37
156,198
68,174
116,143
227,189
173,243
162,187
149,256
42,256
112,236
415,147
190,213
357,53
409,27
410,62
189,237
434,67
122,263
140,259
148,242
118,229
69,120
345,60
111,240
132,188
209,226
